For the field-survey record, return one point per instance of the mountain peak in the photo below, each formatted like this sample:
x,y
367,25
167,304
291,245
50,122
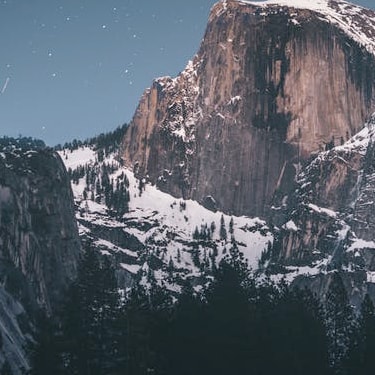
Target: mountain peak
x,y
355,21
271,84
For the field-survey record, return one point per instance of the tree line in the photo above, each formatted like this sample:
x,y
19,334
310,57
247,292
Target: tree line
x,y
104,143
23,143
236,325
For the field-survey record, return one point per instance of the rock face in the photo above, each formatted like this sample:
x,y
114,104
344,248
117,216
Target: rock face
x,y
333,204
269,86
39,244
329,221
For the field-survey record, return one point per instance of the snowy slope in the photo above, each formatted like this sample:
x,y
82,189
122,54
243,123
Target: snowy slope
x,y
156,237
356,21
157,231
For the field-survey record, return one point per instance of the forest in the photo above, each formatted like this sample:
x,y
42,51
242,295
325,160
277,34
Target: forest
x,y
236,325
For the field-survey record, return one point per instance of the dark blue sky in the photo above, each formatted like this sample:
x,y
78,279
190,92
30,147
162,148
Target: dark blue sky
x,y
75,68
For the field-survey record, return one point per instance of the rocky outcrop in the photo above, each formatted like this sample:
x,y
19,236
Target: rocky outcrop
x,y
333,200
269,86
328,222
39,244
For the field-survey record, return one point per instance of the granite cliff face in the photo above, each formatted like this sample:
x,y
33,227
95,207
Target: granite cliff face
x,y
39,244
269,86
333,201
329,221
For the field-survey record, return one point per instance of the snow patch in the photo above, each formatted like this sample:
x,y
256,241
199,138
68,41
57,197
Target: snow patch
x,y
132,268
322,210
291,226
361,244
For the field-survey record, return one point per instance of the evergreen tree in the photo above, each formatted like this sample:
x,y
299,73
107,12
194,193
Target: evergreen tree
x,y
108,314
367,329
45,354
145,324
231,226
196,234
187,337
361,357
89,319
229,315
340,322
298,342
223,231
213,227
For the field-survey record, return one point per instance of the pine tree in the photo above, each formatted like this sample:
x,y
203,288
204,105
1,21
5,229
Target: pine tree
x,y
228,328
231,226
367,328
223,231
89,319
187,335
108,315
340,322
213,227
361,357
196,234
298,342
45,354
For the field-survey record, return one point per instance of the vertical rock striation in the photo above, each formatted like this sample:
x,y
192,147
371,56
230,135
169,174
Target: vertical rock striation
x,y
39,244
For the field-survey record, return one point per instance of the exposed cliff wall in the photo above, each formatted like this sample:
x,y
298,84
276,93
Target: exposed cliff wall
x,y
333,201
39,244
268,87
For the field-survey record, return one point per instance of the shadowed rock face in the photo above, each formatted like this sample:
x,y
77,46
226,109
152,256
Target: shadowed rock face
x,y
333,204
39,244
268,88
39,235
329,221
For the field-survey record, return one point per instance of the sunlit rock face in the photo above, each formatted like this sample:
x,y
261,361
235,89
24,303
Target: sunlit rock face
x,y
39,245
269,86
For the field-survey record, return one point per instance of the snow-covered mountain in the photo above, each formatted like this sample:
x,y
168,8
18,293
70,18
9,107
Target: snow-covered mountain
x,y
267,120
258,145
327,224
159,237
272,83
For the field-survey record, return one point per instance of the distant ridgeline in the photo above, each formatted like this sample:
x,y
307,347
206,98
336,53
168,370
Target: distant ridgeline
x,y
23,143
108,142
